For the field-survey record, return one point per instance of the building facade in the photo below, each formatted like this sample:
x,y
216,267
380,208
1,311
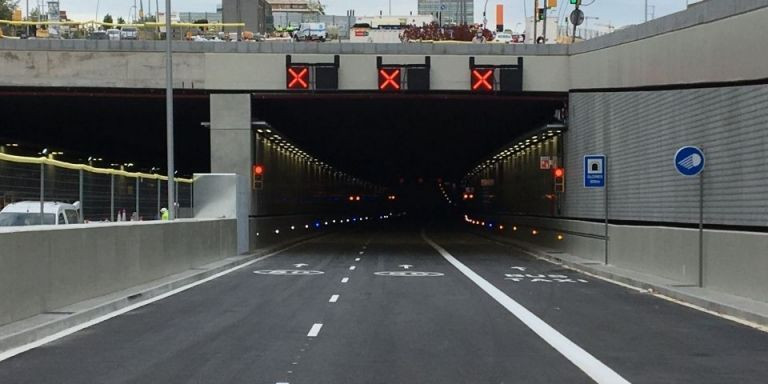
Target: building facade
x,y
449,12
256,14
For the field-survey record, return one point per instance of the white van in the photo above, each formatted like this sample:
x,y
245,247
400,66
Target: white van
x,y
28,213
311,31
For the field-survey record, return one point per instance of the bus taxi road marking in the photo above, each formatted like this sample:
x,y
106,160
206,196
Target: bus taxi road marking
x,y
408,274
345,280
541,278
594,368
334,299
315,330
287,272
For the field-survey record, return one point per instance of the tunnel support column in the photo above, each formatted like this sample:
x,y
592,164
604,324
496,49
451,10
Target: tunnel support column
x,y
232,152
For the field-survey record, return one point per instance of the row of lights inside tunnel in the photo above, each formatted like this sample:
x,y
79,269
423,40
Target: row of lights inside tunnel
x,y
521,147
445,194
501,227
90,160
325,223
271,137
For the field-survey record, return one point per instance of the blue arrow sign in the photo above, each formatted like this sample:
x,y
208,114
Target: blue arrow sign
x,y
689,161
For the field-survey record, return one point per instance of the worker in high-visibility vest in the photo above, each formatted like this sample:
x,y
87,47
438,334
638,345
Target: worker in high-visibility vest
x,y
164,214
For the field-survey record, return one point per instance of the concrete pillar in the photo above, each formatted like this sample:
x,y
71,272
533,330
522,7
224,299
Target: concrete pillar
x,y
232,152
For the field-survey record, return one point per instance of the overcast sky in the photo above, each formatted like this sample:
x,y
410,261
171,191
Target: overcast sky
x,y
616,12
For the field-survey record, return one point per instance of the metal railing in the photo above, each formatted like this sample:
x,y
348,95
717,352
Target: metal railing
x,y
104,194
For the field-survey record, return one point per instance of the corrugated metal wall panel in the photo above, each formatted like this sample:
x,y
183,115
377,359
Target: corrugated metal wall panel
x,y
640,132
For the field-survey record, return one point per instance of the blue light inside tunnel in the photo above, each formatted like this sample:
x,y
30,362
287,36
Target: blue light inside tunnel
x,y
317,224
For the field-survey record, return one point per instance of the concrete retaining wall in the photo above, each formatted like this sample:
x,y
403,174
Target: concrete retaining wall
x,y
48,268
735,262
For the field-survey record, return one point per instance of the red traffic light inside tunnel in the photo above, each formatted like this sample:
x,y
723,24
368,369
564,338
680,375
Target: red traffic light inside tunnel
x,y
297,77
389,79
482,79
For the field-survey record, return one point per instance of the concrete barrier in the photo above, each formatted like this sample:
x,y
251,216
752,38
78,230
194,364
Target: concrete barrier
x,y
735,262
45,268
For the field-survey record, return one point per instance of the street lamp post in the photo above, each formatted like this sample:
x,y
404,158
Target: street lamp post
x,y
169,111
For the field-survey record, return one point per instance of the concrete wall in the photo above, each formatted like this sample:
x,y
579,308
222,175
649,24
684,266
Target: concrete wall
x,y
48,268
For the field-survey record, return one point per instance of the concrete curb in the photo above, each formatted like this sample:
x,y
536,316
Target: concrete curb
x,y
45,329
728,309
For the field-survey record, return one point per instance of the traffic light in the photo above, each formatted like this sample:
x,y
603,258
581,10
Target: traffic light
x,y
559,174
575,2
482,79
540,14
297,77
389,79
257,172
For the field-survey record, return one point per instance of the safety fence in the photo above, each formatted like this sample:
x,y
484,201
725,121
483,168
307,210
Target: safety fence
x,y
104,194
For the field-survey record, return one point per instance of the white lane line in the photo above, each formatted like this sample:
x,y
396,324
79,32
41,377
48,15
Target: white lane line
x,y
315,330
345,280
15,351
352,268
334,299
357,259
590,365
361,252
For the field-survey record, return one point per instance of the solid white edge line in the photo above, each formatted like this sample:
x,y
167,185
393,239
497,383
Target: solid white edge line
x,y
315,330
590,365
344,280
334,299
15,351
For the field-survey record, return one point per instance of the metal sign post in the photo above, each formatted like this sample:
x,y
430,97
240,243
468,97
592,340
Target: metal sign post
x,y
690,161
169,111
595,177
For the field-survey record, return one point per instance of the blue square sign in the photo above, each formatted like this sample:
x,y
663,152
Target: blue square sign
x,y
594,171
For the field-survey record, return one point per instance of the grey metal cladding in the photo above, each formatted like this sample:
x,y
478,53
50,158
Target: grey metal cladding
x,y
640,132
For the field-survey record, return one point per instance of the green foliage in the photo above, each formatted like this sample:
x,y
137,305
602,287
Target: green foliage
x,y
6,8
108,18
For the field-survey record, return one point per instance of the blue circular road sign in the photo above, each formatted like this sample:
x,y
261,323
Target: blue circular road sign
x,y
689,161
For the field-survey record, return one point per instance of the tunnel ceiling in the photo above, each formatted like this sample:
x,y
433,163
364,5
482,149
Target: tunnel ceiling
x,y
381,139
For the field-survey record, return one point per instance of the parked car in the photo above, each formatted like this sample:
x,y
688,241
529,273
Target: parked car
x,y
98,35
504,38
113,34
311,31
129,33
28,213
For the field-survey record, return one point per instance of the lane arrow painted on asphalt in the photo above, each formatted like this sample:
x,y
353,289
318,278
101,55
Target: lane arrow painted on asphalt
x,y
406,266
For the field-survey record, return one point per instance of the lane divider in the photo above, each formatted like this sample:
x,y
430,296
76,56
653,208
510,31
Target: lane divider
x,y
594,368
345,280
315,330
334,299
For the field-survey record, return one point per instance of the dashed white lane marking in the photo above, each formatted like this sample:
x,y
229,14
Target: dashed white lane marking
x,y
344,280
334,299
315,330
590,365
15,351
357,259
352,268
361,252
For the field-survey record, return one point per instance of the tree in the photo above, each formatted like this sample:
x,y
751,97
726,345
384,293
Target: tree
x,y
6,8
120,20
108,19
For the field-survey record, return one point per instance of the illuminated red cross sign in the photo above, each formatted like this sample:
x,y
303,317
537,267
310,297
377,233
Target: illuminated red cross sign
x,y
298,78
389,79
482,79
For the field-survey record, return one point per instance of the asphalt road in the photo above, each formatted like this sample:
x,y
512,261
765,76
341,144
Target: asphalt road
x,y
276,326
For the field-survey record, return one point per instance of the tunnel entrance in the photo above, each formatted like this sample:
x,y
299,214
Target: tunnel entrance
x,y
385,139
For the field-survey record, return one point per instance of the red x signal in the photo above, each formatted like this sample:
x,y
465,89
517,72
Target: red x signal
x,y
389,79
298,78
482,79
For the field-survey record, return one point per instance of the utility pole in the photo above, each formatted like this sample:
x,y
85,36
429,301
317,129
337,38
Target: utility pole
x,y
535,20
544,29
646,11
169,111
